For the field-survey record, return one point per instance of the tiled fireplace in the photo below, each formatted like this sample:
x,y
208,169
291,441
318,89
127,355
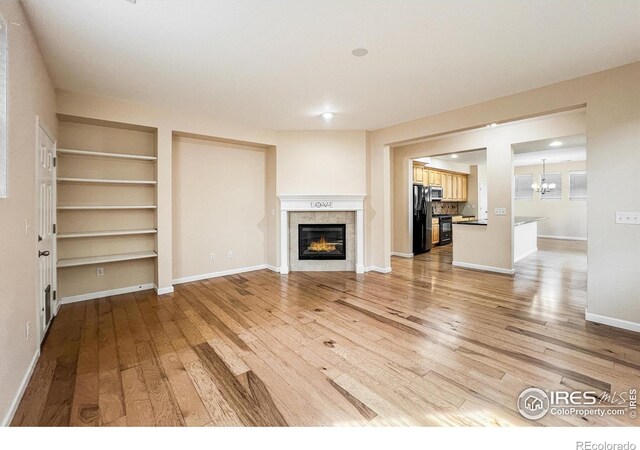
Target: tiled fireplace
x,y
321,233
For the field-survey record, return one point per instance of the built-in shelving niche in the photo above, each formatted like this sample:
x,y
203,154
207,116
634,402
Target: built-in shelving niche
x,y
106,211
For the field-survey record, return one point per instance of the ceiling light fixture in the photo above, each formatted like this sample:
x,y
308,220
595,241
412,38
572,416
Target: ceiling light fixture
x,y
327,115
454,156
492,125
555,144
359,52
543,187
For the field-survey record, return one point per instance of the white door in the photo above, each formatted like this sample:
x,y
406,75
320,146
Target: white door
x,y
483,203
45,220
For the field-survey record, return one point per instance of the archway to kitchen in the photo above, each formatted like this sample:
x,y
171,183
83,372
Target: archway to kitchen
x,y
487,247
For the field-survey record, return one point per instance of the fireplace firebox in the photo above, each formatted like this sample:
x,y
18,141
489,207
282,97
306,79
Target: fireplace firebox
x,y
322,241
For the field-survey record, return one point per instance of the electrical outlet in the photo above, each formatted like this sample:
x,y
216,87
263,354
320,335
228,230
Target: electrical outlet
x,y
500,211
27,330
632,218
99,271
230,254
212,256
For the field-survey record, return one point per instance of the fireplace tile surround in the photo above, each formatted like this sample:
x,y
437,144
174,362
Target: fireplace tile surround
x,y
321,209
322,217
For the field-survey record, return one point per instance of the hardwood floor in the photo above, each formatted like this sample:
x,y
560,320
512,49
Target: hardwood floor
x,y
425,345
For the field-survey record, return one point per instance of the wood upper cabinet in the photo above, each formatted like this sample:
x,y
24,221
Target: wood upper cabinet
x,y
454,185
465,185
418,174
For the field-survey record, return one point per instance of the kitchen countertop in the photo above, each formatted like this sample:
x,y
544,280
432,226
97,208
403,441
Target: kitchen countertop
x,y
522,220
472,222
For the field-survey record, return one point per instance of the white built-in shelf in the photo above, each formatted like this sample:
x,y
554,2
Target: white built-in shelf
x,y
103,181
88,234
73,262
102,207
67,151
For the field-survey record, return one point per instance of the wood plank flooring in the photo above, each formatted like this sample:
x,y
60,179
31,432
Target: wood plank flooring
x,y
425,345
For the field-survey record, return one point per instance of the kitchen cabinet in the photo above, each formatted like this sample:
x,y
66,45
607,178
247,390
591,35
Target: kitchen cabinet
x,y
454,185
465,181
418,174
435,234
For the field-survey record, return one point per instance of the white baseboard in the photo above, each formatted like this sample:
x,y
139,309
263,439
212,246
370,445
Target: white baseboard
x,y
483,268
273,268
222,273
529,253
164,290
6,421
611,321
379,269
564,238
402,255
100,294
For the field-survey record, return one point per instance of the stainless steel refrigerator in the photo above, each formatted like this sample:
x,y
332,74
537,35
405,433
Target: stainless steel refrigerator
x,y
422,226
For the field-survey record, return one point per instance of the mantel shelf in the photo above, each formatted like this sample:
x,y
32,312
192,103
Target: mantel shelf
x,y
74,262
68,151
104,181
89,234
102,207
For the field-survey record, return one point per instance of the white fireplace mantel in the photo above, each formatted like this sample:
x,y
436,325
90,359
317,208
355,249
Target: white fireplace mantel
x,y
320,203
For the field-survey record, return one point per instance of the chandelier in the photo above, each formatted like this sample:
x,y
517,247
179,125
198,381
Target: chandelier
x,y
543,187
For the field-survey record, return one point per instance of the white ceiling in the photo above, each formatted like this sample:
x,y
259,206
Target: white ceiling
x,y
470,158
278,64
573,148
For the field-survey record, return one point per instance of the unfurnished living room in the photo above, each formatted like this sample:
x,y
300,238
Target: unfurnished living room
x,y
321,213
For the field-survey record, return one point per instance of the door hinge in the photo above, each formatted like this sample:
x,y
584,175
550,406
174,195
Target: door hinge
x,y
55,161
54,228
55,295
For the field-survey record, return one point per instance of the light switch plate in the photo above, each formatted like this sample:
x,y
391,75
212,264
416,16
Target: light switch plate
x,y
500,211
628,217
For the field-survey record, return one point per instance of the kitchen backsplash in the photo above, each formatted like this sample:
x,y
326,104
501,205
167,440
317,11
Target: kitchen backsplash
x,y
445,208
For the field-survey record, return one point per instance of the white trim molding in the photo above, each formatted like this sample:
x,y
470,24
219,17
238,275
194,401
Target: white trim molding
x,y
402,255
464,265
379,269
563,238
6,420
110,292
321,203
164,290
612,321
222,273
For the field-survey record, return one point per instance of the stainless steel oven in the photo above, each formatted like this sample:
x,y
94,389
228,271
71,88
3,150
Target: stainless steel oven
x,y
446,230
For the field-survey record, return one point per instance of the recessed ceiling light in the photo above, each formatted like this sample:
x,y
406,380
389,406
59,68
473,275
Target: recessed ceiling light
x,y
359,52
454,156
492,125
555,144
327,115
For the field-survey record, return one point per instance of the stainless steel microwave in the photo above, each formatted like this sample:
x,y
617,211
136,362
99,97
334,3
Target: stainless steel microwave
x,y
436,193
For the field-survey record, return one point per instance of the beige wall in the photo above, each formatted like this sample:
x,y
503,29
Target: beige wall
x,y
567,218
612,98
321,162
219,206
30,93
494,244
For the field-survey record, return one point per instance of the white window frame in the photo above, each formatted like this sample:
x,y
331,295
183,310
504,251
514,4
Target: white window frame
x,y
515,194
578,172
4,129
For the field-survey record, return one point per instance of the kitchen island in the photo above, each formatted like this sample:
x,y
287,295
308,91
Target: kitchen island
x,y
525,236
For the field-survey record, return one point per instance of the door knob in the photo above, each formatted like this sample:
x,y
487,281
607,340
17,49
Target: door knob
x,y
45,253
